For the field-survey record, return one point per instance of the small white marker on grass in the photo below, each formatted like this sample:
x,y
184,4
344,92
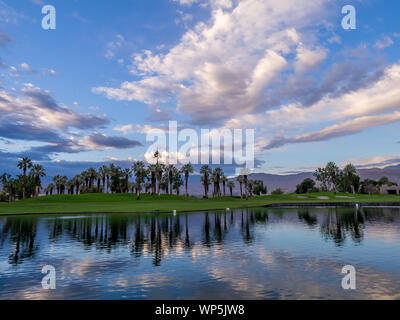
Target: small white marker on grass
x,y
227,209
174,212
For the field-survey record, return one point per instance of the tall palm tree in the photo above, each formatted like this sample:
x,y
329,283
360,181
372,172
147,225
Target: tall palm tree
x,y
178,182
152,172
170,170
49,189
240,180
56,180
349,170
224,180
77,180
103,172
245,173
159,174
214,180
230,185
186,170
37,172
24,164
205,171
92,176
127,173
139,170
159,168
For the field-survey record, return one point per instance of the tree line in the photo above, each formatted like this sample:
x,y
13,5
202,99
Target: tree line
x,y
331,178
152,178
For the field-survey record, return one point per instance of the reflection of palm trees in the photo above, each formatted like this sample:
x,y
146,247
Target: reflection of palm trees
x,y
187,239
22,235
206,229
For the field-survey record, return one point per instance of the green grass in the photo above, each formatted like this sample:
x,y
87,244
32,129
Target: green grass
x,y
92,203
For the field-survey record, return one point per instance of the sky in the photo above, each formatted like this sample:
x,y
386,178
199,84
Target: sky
x,y
89,91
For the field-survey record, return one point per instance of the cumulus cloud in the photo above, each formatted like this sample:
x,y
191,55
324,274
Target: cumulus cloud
x,y
227,65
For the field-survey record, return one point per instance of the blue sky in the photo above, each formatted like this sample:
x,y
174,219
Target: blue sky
x,y
87,92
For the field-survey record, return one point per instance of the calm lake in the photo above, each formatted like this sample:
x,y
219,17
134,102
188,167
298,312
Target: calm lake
x,y
242,254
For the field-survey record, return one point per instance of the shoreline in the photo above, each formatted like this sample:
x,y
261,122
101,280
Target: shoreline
x,y
282,205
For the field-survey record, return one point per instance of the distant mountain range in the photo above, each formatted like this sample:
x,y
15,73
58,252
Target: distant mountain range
x,y
289,182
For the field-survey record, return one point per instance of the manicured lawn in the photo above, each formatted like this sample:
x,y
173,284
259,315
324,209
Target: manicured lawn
x,y
88,203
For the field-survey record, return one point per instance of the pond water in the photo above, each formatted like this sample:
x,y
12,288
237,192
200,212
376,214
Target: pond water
x,y
259,253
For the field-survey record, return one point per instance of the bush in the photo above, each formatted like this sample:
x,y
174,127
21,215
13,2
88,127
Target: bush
x,y
4,196
277,192
308,185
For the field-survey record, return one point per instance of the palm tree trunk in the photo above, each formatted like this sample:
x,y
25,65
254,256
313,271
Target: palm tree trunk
x,y
186,186
138,188
245,186
23,187
159,185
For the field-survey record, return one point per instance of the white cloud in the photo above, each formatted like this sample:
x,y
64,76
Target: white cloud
x,y
114,45
385,42
307,59
125,129
223,67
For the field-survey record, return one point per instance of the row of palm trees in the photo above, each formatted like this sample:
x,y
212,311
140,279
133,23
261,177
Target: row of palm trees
x,y
153,178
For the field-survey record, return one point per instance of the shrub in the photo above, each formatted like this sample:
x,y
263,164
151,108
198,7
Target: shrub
x,y
277,192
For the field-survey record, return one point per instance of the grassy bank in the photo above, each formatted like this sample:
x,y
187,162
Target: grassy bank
x,y
90,203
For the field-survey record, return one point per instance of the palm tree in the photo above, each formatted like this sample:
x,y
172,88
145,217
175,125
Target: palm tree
x,y
56,180
103,172
218,175
214,181
127,173
178,182
49,189
24,164
186,170
37,172
245,172
349,170
139,170
159,173
159,168
224,180
332,170
205,171
70,186
240,180
170,171
92,176
86,180
231,185
152,172
77,181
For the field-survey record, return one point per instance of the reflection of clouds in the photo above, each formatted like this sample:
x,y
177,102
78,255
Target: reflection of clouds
x,y
385,233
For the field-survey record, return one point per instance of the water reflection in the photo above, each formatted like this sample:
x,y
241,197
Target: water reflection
x,y
162,237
